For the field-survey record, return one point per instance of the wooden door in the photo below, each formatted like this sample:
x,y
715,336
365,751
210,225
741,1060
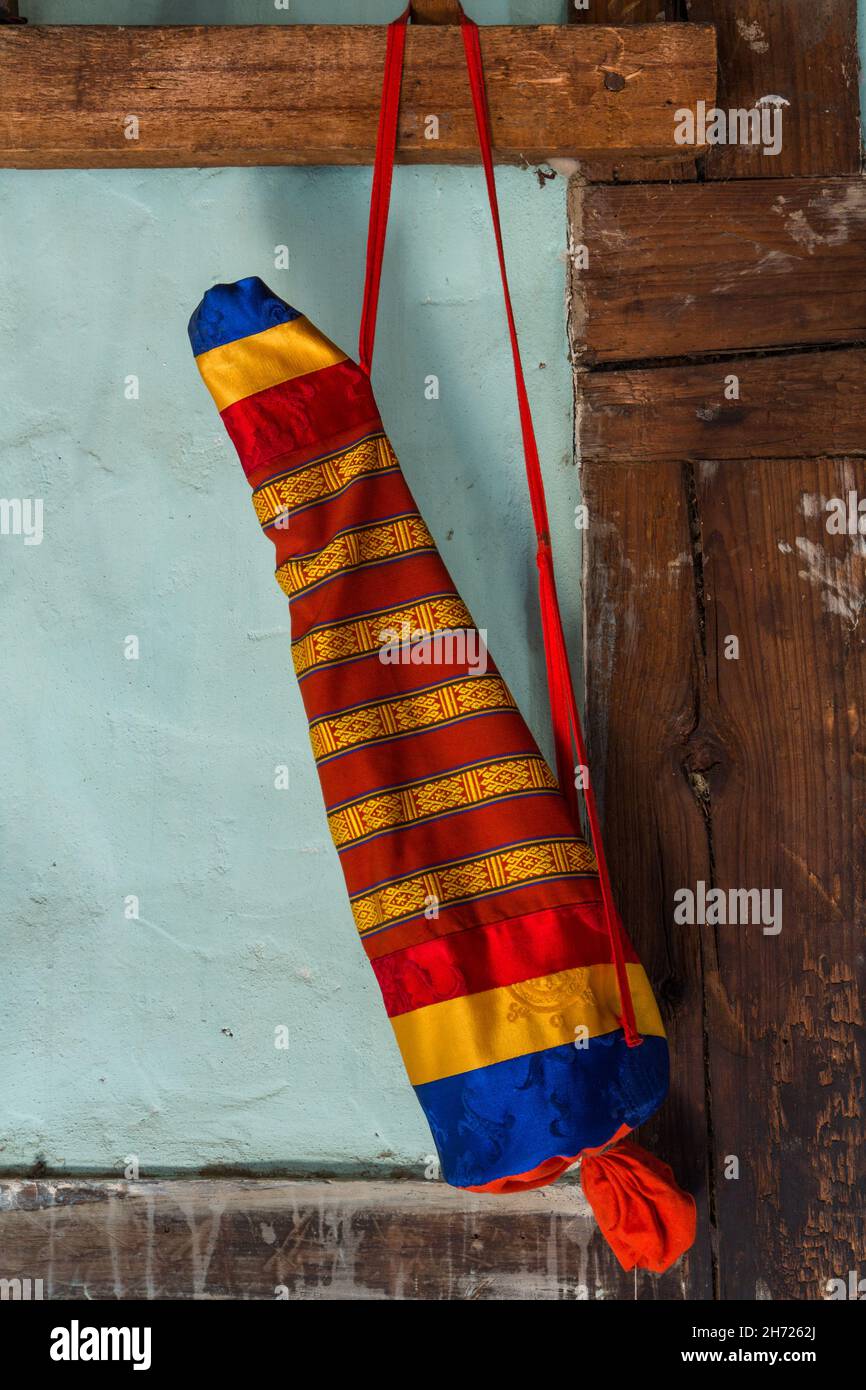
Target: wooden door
x,y
718,329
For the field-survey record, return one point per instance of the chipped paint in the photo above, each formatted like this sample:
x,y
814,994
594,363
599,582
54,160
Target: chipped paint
x,y
752,34
836,211
839,581
800,231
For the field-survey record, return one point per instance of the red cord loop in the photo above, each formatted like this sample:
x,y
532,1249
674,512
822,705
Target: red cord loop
x,y
567,731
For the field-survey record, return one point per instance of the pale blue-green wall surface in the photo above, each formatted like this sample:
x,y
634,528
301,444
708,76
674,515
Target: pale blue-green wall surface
x,y
155,777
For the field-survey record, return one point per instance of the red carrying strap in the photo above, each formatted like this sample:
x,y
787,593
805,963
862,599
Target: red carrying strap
x,y
380,198
567,731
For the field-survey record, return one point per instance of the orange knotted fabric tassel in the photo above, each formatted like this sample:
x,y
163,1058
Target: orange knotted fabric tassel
x,y
646,1219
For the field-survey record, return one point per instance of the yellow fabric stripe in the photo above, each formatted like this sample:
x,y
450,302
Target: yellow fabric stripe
x,y
364,634
252,364
317,481
461,1035
403,714
461,880
455,791
365,545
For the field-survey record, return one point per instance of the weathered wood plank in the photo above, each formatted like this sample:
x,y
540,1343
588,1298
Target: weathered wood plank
x,y
784,804
309,94
770,747
624,169
265,1239
435,11
804,51
791,405
714,268
644,665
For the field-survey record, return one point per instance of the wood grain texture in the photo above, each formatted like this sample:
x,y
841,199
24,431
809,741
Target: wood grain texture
x,y
717,268
621,11
264,1239
791,405
743,773
785,810
309,94
769,747
804,51
621,168
643,660
435,11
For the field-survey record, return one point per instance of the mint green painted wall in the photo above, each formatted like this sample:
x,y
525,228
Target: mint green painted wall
x,y
155,777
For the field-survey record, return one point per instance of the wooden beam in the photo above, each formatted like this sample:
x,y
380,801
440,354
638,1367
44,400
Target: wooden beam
x,y
783,799
790,405
642,669
708,268
742,773
267,1239
309,94
435,12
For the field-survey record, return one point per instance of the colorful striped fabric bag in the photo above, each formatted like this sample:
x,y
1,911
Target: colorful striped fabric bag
x,y
525,1020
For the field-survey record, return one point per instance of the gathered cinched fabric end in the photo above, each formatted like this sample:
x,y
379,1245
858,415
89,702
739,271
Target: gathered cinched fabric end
x,y
648,1221
642,1212
541,1176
